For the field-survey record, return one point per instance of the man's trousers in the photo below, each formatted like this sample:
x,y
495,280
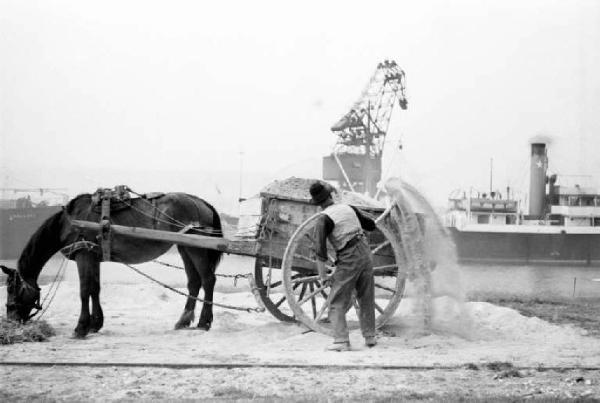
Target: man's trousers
x,y
354,271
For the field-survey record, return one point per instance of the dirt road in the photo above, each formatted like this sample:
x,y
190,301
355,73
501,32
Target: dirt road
x,y
292,384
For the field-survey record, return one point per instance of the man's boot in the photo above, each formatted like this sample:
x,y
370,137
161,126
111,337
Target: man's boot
x,y
343,346
370,341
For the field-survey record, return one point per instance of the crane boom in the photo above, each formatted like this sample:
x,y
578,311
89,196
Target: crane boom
x,y
356,159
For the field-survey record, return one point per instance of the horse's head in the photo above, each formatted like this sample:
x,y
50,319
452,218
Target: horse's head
x,y
21,297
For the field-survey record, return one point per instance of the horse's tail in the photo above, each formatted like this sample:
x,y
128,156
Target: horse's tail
x,y
214,256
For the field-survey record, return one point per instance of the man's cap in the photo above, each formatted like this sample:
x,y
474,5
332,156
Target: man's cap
x,y
319,192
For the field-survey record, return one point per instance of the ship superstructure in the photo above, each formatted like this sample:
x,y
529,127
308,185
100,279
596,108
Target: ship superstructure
x,y
561,223
22,211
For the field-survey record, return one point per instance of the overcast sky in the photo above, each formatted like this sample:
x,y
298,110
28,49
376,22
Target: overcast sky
x,y
165,95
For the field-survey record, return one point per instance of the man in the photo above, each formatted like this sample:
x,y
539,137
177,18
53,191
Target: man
x,y
343,225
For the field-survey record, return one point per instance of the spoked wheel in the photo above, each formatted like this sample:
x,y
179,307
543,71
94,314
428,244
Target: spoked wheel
x,y
269,282
309,299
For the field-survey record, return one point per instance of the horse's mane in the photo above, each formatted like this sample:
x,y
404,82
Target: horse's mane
x,y
44,242
77,199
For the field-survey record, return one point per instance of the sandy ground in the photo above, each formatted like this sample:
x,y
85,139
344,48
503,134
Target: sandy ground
x,y
139,319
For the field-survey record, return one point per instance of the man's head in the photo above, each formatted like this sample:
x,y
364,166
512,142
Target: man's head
x,y
320,194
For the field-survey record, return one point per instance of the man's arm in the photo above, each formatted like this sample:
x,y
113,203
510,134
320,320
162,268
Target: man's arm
x,y
365,222
323,229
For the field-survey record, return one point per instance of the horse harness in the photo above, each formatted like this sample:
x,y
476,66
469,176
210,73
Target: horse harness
x,y
19,291
106,201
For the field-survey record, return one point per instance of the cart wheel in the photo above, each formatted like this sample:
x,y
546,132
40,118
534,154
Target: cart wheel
x,y
309,299
270,287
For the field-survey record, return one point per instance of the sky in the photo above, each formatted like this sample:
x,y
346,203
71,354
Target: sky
x,y
220,98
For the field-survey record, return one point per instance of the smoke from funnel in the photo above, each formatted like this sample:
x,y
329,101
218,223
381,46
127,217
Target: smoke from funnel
x,y
540,138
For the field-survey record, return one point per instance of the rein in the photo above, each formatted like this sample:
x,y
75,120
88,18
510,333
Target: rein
x,y
36,304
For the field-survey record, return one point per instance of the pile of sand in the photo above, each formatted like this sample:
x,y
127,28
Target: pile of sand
x,y
298,189
293,188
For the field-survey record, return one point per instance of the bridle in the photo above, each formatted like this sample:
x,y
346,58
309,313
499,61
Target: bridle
x,y
18,293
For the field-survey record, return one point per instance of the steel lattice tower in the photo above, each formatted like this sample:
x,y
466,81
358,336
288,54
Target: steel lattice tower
x,y
356,159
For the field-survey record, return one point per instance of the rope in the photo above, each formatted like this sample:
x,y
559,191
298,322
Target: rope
x,y
169,265
55,284
174,220
177,223
162,212
225,306
57,280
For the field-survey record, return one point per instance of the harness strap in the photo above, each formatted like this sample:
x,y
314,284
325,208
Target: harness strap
x,y
69,251
188,227
154,214
105,233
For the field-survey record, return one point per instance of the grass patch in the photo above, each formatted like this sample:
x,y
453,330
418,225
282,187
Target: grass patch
x,y
12,332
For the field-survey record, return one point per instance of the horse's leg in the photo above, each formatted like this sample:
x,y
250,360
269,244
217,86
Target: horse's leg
x,y
97,315
207,275
194,283
84,264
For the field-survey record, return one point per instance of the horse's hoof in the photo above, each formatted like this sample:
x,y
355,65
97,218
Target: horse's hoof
x,y
96,326
185,320
78,336
204,326
179,326
81,331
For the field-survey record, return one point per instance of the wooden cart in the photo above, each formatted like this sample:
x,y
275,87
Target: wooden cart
x,y
285,270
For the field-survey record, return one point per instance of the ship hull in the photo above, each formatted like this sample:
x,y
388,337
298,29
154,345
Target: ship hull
x,y
18,225
527,248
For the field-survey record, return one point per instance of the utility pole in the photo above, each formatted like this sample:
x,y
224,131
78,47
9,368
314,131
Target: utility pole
x,y
240,198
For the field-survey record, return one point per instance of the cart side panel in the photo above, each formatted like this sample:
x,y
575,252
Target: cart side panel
x,y
280,219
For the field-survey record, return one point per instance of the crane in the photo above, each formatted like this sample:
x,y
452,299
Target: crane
x,y
355,161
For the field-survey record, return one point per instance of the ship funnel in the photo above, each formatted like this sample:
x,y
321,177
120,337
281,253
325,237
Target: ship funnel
x,y
537,180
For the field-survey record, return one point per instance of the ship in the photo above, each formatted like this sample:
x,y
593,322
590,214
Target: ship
x,y
560,226
22,214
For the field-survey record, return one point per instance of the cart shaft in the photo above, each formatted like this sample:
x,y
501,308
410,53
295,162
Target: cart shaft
x,y
193,240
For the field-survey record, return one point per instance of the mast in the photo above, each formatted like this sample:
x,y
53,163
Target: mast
x,y
491,175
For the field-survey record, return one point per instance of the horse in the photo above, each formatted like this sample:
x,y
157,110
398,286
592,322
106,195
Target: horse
x,y
169,212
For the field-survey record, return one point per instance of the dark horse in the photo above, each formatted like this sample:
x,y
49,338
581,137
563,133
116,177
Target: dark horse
x,y
169,212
